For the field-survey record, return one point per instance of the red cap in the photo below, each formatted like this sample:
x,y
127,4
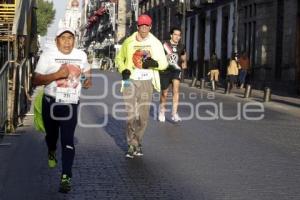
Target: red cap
x,y
144,20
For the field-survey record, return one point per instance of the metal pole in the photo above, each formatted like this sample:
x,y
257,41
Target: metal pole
x,y
213,85
227,89
202,83
247,91
267,94
194,82
8,48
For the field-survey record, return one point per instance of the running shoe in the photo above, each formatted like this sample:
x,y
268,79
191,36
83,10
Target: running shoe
x,y
176,118
161,117
130,152
65,184
138,151
52,161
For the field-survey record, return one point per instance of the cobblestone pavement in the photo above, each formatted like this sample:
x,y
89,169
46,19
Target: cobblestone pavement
x,y
197,159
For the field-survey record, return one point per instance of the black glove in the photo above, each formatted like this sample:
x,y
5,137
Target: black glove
x,y
149,63
125,74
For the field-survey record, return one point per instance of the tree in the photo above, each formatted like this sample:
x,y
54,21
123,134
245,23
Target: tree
x,y
45,16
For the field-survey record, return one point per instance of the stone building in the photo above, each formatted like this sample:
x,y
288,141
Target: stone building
x,y
72,15
268,30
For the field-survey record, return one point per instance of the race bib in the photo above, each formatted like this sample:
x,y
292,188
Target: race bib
x,y
66,95
142,74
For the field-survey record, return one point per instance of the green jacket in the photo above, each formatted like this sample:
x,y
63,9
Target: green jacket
x,y
124,57
37,108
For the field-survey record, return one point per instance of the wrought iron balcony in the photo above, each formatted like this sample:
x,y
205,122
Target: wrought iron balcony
x,y
7,14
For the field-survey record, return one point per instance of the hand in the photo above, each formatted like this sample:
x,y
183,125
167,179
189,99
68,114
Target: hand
x,y
146,54
126,83
183,61
183,65
87,83
126,74
149,63
63,72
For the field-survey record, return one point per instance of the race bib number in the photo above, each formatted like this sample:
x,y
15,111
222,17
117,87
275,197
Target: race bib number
x,y
142,74
66,95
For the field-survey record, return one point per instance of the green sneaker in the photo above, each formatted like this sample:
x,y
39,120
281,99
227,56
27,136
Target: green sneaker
x,y
65,184
52,161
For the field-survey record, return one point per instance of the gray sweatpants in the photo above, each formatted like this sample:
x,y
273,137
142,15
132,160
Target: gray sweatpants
x,y
137,98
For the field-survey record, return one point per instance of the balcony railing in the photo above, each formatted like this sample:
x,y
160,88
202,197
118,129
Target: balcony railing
x,y
7,14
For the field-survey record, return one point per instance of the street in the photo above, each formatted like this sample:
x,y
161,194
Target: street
x,y
221,151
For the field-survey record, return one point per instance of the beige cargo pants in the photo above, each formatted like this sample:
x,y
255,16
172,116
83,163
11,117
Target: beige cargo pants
x,y
137,98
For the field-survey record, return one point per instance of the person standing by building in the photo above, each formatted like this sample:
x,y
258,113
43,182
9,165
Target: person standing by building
x,y
245,67
214,68
61,70
232,72
176,55
139,59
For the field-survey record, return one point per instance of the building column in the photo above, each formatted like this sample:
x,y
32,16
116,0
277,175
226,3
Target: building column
x,y
121,26
298,51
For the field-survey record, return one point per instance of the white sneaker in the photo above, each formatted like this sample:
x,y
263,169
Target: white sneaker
x,y
161,117
176,118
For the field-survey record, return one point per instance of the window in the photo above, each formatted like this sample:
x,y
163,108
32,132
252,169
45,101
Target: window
x,y
249,32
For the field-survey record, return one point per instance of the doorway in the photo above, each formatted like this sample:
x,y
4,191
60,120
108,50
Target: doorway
x,y
224,44
201,35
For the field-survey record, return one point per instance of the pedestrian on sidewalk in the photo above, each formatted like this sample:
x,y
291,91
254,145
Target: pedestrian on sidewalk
x,y
176,56
232,73
214,68
61,70
245,67
139,59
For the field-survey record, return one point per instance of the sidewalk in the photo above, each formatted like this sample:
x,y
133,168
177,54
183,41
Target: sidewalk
x,y
290,103
256,95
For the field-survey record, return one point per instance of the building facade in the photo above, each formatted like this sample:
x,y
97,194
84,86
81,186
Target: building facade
x,y
203,31
72,16
268,30
98,28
